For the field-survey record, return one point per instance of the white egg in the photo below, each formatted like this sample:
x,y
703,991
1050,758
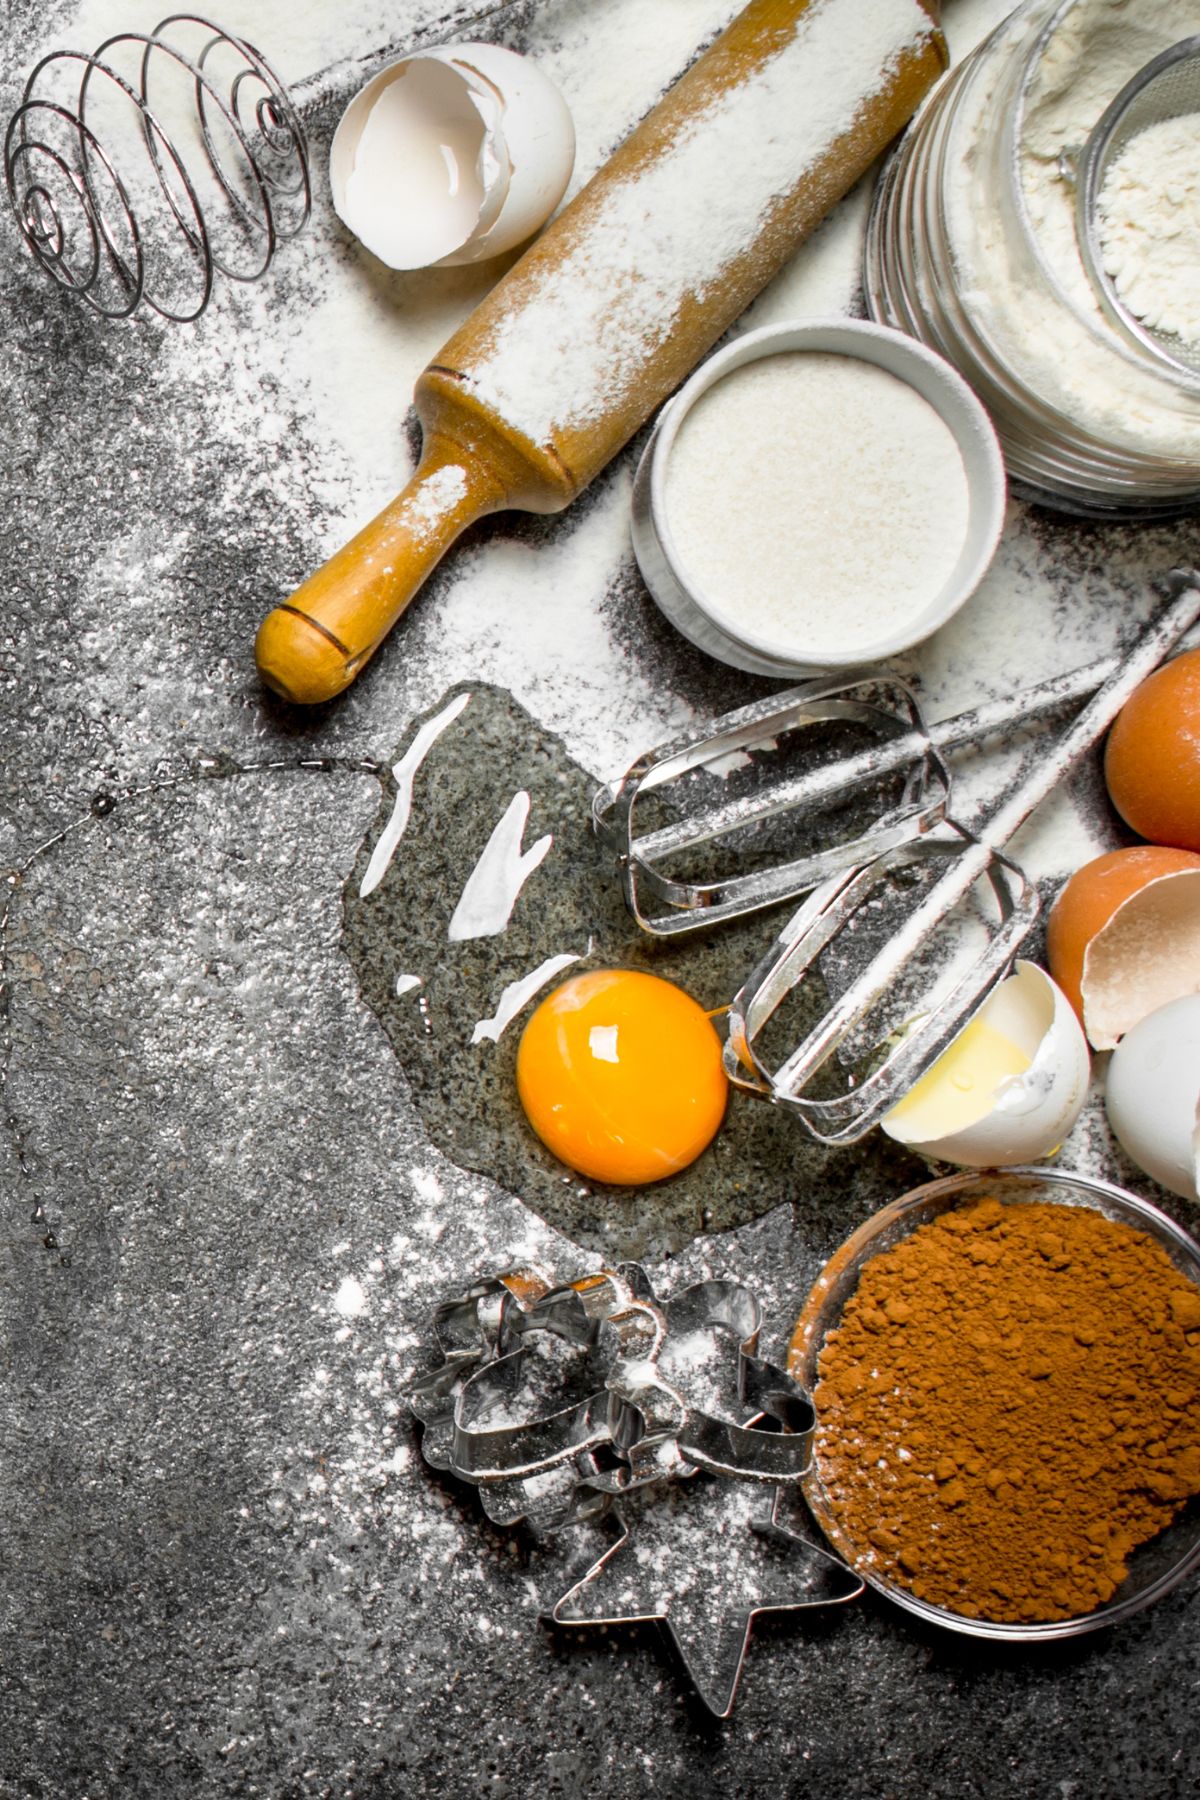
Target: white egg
x,y
1011,1085
451,156
1153,1095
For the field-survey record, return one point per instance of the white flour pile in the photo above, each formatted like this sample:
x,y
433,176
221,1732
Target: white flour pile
x,y
1150,225
818,502
663,236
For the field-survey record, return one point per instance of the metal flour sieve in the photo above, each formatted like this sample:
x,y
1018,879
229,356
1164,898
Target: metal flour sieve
x,y
1167,87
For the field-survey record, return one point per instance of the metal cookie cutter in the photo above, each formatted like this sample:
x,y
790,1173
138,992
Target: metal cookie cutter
x,y
510,1421
554,1401
660,1414
471,1330
706,1560
715,1389
893,940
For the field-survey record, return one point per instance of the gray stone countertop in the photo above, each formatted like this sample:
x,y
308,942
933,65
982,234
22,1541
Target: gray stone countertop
x,y
236,1179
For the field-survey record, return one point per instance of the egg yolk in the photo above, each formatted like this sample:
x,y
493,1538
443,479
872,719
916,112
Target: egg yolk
x,y
961,1086
620,1076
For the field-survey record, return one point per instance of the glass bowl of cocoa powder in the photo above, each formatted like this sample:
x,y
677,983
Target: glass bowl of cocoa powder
x,y
1006,1373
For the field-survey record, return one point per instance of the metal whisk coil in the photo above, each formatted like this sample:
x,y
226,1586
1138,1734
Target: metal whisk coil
x,y
140,171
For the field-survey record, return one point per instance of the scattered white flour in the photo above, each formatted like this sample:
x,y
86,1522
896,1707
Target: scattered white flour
x,y
437,495
583,329
494,884
701,1365
549,615
1150,225
818,502
518,994
296,40
536,613
694,1558
405,771
350,1300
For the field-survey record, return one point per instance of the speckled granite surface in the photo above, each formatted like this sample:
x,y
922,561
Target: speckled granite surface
x,y
223,1568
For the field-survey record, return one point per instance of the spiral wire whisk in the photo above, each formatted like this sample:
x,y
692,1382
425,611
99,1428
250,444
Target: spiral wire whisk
x,y
129,199
140,171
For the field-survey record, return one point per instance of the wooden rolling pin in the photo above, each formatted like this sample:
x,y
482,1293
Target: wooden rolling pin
x,y
613,305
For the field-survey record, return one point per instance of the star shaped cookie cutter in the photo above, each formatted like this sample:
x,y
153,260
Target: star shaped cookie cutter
x,y
701,1562
563,1403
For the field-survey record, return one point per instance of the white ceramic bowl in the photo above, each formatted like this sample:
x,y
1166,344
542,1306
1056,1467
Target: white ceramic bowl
x,y
707,625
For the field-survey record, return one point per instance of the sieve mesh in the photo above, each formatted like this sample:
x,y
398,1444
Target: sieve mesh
x,y
1167,87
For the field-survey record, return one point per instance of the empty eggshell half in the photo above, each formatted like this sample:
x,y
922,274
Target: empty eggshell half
x,y
451,156
1153,1095
1091,898
1147,955
997,1117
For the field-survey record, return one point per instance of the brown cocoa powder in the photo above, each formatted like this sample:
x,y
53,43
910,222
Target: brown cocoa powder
x,y
1009,1405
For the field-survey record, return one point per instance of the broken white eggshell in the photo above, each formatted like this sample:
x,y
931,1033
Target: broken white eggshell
x,y
1146,955
1018,1118
1153,1095
451,156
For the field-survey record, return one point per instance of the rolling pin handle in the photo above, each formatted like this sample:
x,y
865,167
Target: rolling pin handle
x,y
311,648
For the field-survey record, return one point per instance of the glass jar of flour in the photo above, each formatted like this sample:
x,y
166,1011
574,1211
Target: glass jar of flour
x,y
972,248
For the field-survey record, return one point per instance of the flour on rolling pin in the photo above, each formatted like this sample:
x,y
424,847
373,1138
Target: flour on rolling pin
x,y
575,332
621,296
445,488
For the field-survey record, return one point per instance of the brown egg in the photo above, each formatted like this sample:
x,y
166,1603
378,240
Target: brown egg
x,y
1152,763
1091,898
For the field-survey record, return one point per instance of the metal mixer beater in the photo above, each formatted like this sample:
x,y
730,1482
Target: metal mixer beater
x,y
910,916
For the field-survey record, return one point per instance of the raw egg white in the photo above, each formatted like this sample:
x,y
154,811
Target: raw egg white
x,y
1153,1095
620,1075
1009,1088
451,156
